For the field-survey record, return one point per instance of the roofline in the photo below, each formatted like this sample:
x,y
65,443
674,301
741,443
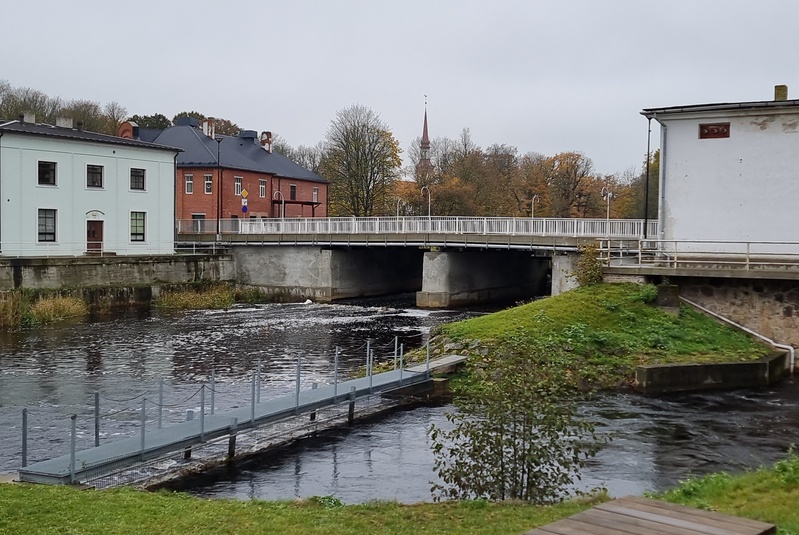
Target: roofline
x,y
106,139
651,113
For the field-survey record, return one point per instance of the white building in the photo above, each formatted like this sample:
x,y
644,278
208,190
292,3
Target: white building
x,y
729,173
68,192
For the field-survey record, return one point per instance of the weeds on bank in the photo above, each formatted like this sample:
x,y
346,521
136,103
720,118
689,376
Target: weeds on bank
x,y
24,308
208,297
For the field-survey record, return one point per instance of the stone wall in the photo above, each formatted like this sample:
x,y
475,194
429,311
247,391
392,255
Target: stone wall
x,y
768,307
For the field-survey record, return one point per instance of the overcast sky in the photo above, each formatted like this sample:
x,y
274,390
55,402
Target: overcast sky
x,y
543,76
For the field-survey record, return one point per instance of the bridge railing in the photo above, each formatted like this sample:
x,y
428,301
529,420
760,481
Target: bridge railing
x,y
716,254
569,227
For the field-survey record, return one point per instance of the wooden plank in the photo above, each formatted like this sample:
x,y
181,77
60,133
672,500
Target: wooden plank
x,y
638,526
668,520
755,525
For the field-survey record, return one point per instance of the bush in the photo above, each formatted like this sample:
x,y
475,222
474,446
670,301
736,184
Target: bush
x,y
589,266
57,308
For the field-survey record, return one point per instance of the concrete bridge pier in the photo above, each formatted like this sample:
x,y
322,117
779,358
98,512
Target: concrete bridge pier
x,y
563,265
325,274
459,278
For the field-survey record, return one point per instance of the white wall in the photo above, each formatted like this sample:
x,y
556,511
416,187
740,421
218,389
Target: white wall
x,y
21,196
741,188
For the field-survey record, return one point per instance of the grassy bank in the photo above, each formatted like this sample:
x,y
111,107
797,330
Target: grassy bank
x,y
769,495
207,296
602,333
22,307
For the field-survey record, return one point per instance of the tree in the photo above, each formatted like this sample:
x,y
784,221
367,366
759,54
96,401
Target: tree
x,y
224,127
516,434
88,112
115,114
567,174
362,161
152,121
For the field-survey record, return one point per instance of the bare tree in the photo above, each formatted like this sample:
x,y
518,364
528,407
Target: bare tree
x,y
115,114
362,161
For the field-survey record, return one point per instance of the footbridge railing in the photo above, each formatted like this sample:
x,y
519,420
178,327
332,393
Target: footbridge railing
x,y
510,226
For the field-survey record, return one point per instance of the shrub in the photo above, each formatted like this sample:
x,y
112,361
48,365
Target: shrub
x,y
57,308
589,266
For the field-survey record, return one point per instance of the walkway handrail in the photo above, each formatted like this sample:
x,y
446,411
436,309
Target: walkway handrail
x,y
510,226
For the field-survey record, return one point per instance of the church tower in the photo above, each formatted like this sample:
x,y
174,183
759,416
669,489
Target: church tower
x,y
424,169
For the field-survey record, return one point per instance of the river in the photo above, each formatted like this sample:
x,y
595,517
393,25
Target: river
x,y
54,371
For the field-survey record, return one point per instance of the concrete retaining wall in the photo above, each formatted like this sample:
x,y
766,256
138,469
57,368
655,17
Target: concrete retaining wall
x,y
109,271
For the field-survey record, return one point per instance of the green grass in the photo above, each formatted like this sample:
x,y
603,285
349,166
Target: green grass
x,y
62,510
603,332
769,495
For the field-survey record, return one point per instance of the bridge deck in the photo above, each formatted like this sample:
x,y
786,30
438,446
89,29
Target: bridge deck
x,y
641,516
126,452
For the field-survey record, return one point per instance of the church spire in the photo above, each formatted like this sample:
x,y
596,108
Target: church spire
x,y
425,166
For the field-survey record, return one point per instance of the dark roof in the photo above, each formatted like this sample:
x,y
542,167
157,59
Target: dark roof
x,y
235,152
37,129
728,106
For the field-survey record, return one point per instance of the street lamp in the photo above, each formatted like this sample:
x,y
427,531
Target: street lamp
x,y
282,203
219,190
532,206
399,201
428,199
607,195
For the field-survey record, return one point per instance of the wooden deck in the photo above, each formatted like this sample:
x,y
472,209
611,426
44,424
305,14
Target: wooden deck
x,y
642,516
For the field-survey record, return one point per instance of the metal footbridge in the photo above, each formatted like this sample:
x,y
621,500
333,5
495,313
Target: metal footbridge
x,y
88,463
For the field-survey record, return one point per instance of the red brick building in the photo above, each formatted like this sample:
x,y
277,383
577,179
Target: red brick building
x,y
224,177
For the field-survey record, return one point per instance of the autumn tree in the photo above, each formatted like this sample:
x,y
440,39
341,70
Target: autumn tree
x,y
567,177
224,127
362,161
157,120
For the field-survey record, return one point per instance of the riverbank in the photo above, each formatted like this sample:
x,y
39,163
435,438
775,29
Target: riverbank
x,y
603,332
768,494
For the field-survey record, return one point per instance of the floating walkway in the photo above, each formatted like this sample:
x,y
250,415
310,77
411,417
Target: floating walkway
x,y
640,516
84,464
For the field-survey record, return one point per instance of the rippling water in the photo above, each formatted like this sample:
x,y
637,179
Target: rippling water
x,y
54,372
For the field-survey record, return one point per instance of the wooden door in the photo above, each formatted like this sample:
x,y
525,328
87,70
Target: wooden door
x,y
94,236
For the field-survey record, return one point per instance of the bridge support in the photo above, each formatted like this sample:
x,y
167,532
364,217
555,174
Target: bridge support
x,y
324,274
563,265
459,278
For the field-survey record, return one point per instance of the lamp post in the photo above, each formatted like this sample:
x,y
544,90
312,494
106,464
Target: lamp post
x,y
607,195
282,203
219,190
428,199
399,201
532,206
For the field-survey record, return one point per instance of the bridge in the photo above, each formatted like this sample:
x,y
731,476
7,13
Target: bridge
x,y
447,261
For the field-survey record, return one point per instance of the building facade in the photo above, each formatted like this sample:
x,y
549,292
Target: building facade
x,y
68,192
225,178
729,172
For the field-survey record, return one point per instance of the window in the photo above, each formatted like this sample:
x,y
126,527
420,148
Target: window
x,y
237,185
46,225
209,184
316,195
262,188
47,173
293,194
136,178
189,184
137,226
94,176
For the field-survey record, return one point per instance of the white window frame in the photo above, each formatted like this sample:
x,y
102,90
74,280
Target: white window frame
x,y
316,195
94,169
237,185
209,184
39,213
134,237
39,174
189,184
262,188
143,179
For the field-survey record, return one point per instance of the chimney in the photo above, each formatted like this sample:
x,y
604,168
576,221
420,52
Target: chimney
x,y
211,128
80,126
780,92
28,117
266,141
63,122
21,117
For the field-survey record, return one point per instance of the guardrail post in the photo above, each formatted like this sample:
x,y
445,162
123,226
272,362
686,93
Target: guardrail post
x,y
143,422
231,443
160,400
96,419
370,364
202,413
72,448
213,388
402,355
258,383
187,450
335,376
396,342
351,408
313,414
24,438
427,357
252,405
297,386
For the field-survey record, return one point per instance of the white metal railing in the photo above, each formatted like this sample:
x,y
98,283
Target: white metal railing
x,y
719,254
516,226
